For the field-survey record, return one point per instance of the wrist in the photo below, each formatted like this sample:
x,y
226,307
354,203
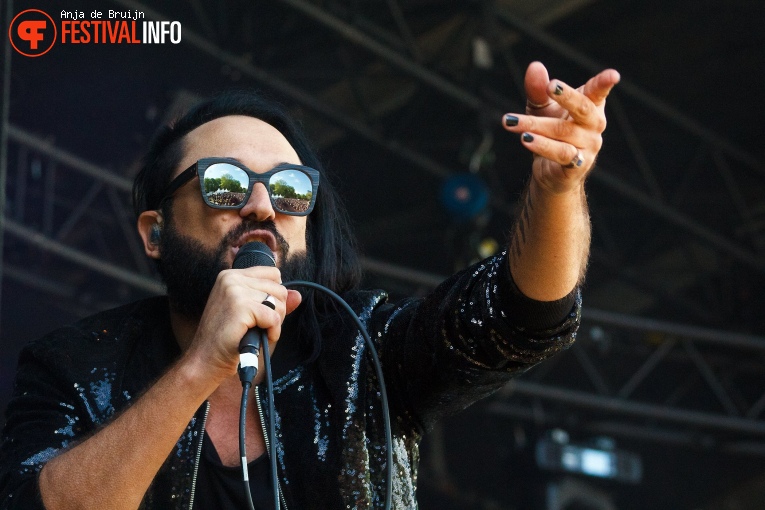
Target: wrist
x,y
555,189
197,374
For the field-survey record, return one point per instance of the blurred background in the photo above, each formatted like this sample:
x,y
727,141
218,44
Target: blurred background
x,y
660,402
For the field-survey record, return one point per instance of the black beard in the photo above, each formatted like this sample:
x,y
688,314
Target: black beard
x,y
189,270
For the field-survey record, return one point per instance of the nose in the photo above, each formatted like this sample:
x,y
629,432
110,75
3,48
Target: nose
x,y
258,206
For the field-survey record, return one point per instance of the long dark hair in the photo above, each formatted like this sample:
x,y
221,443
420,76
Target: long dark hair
x,y
331,242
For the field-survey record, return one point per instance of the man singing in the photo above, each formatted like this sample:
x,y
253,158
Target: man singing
x,y
138,407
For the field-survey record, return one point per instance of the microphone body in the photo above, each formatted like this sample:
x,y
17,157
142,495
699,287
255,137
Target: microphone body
x,y
249,255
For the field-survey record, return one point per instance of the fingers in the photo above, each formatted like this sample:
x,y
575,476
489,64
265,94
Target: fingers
x,y
563,126
236,304
566,155
558,129
598,87
585,104
294,298
579,107
243,292
556,139
535,83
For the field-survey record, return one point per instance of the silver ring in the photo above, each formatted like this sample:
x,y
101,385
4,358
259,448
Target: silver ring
x,y
270,301
535,106
577,161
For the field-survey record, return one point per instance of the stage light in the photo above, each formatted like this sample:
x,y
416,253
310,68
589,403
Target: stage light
x,y
465,196
603,460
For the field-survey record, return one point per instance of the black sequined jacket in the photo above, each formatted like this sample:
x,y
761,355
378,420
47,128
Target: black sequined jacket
x,y
439,355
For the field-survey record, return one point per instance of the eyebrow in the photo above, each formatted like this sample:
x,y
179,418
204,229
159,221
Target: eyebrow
x,y
278,164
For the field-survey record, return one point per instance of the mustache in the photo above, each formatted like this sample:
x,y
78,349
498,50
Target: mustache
x,y
247,225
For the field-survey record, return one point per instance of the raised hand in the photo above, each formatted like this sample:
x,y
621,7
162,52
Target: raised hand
x,y
562,126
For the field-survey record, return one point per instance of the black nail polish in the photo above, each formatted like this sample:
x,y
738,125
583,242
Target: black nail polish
x,y
511,120
558,89
527,137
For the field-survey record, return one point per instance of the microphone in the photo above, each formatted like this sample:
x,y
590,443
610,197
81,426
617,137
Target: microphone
x,y
249,255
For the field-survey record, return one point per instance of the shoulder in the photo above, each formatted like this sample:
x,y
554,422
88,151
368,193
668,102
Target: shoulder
x,y
365,300
104,330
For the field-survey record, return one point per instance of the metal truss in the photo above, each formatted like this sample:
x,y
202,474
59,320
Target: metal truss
x,y
111,249
741,242
708,377
648,201
714,364
651,201
685,384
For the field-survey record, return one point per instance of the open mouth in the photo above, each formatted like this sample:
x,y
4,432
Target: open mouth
x,y
264,236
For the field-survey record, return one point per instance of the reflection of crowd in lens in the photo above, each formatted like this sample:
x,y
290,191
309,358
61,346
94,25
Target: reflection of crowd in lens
x,y
291,204
225,198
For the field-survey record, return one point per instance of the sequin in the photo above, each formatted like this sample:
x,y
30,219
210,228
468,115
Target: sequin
x,y
40,458
69,429
440,354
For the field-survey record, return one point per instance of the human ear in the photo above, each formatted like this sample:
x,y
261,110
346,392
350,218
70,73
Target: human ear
x,y
150,229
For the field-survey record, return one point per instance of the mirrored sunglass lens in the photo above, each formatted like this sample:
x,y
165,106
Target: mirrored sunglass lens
x,y
225,184
291,191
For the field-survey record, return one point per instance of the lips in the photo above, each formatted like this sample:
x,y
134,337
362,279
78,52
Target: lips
x,y
264,236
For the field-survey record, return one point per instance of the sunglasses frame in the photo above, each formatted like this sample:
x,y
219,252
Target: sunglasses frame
x,y
200,167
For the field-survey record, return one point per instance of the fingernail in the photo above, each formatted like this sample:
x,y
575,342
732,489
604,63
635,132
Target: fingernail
x,y
527,137
511,120
558,89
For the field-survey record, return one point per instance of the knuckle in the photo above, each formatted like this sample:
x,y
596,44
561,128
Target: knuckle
x,y
229,291
562,129
584,108
274,334
280,292
564,154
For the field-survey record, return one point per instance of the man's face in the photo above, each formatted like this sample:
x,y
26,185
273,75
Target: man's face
x,y
199,241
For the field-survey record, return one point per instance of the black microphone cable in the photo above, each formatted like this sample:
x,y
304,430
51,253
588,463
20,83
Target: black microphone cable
x,y
271,427
249,255
378,370
246,385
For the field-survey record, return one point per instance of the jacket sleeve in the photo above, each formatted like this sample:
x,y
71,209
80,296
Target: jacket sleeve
x,y
463,342
43,418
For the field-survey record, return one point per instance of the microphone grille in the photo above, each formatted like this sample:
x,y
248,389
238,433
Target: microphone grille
x,y
254,254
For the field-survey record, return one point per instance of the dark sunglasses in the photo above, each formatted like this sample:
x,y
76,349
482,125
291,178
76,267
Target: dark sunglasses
x,y
227,184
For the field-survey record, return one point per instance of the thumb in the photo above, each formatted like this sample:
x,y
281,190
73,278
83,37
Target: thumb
x,y
535,83
294,298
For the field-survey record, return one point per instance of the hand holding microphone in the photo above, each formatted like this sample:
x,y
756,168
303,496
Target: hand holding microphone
x,y
249,255
234,305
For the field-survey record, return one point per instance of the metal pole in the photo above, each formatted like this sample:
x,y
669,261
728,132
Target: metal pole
x,y
53,246
615,405
429,279
631,89
699,334
696,333
470,100
401,273
46,147
421,73
686,223
4,139
300,96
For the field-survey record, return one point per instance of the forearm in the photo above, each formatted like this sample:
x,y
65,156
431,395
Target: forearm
x,y
550,242
114,468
